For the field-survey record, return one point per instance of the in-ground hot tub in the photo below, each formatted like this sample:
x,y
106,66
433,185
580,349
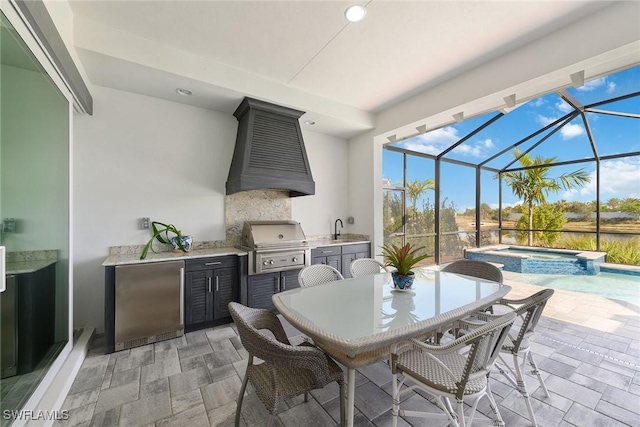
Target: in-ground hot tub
x,y
525,259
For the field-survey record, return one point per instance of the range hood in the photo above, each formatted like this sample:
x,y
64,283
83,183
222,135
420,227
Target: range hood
x,y
269,152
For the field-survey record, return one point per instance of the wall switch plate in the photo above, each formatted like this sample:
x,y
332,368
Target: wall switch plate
x,y
350,220
145,223
9,225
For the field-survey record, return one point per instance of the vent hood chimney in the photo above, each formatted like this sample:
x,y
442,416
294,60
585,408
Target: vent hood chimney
x,y
269,152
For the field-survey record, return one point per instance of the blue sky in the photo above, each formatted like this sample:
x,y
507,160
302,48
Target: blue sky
x,y
613,135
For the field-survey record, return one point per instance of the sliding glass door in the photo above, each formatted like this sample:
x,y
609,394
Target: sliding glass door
x,y
34,220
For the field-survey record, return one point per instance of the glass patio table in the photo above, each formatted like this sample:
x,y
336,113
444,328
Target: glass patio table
x,y
356,320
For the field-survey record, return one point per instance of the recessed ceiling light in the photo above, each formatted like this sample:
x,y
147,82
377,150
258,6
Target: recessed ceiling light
x,y
355,13
184,92
310,122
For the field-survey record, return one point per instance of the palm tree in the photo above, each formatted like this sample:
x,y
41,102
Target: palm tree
x,y
416,188
534,185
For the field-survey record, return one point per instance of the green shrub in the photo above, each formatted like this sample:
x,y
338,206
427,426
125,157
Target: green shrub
x,y
618,251
545,217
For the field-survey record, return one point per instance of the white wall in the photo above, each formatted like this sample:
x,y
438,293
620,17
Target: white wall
x,y
328,158
140,156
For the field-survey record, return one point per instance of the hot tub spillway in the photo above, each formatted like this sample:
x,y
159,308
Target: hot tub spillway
x,y
524,260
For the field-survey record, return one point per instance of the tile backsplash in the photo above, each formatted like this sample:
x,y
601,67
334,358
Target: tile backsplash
x,y
255,205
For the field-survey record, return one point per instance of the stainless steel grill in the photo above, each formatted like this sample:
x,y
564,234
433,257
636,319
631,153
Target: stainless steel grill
x,y
275,246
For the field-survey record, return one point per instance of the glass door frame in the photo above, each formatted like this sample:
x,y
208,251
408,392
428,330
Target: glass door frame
x,y
26,32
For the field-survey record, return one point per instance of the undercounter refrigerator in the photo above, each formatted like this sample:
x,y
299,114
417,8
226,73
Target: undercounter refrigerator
x,y
148,303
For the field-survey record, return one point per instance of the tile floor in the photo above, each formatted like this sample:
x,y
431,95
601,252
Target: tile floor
x,y
588,348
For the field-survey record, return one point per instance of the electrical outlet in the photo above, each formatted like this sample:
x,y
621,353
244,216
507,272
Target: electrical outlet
x,y
9,225
145,223
350,220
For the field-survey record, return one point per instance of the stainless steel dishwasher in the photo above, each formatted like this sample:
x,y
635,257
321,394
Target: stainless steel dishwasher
x,y
149,303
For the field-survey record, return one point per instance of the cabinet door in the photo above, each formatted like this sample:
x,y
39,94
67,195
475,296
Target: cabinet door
x,y
289,280
261,289
225,286
335,262
319,260
346,264
198,297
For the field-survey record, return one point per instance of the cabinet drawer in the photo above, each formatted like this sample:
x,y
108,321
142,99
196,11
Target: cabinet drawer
x,y
355,248
325,251
211,263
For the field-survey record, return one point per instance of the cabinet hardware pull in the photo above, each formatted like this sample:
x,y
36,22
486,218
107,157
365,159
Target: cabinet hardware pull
x,y
277,284
213,263
284,283
326,252
208,284
217,284
182,297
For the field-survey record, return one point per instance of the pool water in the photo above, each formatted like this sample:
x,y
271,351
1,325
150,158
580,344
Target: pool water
x,y
623,287
539,254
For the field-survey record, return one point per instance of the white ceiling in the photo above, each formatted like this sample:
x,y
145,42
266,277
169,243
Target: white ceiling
x,y
304,54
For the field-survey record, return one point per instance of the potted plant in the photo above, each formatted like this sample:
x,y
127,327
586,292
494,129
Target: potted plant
x,y
161,232
403,259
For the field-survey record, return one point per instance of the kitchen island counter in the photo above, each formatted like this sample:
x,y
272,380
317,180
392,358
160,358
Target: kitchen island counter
x,y
126,259
313,244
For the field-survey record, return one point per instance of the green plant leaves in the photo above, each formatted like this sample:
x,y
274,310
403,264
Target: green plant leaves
x,y
159,229
402,258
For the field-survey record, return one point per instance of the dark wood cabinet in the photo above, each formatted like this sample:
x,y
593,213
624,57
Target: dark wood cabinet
x,y
35,316
210,284
352,252
262,287
340,256
328,255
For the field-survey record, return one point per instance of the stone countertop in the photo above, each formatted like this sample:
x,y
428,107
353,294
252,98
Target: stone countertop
x,y
329,242
24,267
114,260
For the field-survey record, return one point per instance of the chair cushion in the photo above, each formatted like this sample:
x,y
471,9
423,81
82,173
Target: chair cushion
x,y
415,364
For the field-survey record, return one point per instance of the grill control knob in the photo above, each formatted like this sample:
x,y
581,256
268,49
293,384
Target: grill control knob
x,y
265,262
272,262
295,259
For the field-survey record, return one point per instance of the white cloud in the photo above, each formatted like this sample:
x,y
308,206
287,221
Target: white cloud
x,y
619,178
538,102
611,87
475,148
433,142
543,120
564,107
571,130
593,85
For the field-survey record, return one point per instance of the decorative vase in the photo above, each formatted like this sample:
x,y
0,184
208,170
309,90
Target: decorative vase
x,y
186,241
402,282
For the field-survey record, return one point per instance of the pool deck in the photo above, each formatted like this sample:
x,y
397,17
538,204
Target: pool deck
x,y
593,311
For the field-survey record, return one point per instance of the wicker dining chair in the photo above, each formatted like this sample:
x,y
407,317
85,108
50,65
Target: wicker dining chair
x,y
457,370
366,267
479,269
318,274
529,310
287,370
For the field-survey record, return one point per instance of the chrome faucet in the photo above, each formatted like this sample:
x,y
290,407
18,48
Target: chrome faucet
x,y
336,233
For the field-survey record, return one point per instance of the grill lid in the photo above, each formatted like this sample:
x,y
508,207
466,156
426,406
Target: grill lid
x,y
273,235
